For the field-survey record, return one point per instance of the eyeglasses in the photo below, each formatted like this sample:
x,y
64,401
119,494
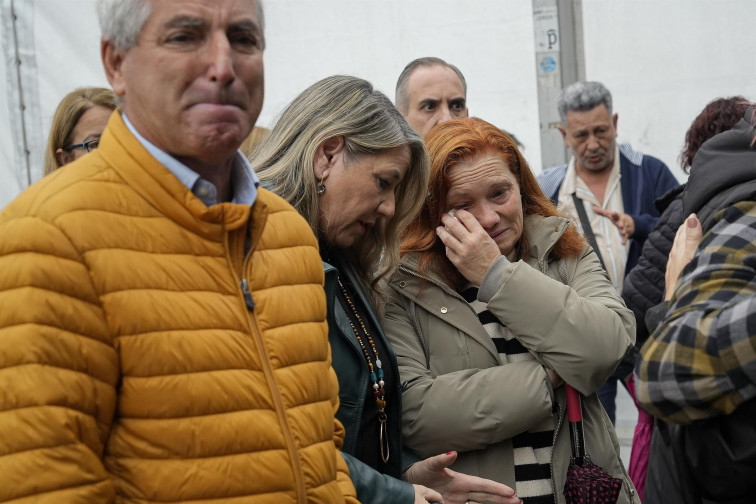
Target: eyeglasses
x,y
89,145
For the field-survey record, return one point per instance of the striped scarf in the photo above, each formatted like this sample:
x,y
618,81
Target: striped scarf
x,y
532,449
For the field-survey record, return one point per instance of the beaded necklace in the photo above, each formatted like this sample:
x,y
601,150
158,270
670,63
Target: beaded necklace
x,y
376,373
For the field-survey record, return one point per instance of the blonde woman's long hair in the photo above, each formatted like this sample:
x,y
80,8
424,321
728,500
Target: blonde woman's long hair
x,y
370,125
69,111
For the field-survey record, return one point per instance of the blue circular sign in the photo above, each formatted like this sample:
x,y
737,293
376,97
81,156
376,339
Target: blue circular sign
x,y
548,64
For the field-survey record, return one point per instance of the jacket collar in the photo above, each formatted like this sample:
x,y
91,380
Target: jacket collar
x,y
543,233
143,173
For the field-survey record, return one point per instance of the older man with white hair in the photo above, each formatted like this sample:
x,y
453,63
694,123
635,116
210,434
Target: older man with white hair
x,y
162,332
609,189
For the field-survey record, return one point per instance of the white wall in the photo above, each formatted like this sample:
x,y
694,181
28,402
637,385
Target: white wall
x,y
664,60
307,40
67,40
492,46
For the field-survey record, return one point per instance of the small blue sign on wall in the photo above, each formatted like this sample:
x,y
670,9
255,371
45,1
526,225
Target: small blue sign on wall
x,y
548,64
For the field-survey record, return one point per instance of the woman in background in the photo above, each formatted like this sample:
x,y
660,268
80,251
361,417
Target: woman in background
x,y
77,125
345,158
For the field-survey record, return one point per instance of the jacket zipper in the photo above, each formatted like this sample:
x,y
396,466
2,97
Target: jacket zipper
x,y
553,444
265,362
543,264
247,295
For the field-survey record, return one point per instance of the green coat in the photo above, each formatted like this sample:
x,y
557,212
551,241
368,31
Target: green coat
x,y
460,396
352,372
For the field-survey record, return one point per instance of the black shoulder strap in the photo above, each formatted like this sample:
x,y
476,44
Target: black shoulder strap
x,y
587,229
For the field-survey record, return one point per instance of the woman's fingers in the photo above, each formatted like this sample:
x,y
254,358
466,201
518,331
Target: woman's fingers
x,y
453,225
493,498
463,225
446,237
684,247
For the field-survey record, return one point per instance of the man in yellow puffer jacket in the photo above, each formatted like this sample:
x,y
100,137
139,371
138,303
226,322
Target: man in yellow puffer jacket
x,y
162,320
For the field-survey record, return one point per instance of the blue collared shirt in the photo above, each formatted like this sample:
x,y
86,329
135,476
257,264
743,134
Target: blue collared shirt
x,y
243,179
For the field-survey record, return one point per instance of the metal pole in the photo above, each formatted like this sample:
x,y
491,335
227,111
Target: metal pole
x,y
560,61
21,102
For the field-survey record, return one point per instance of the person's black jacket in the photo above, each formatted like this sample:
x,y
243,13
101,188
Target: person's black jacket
x,y
643,287
714,460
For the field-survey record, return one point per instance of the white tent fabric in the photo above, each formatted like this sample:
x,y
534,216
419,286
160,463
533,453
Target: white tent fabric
x,y
663,61
10,184
14,174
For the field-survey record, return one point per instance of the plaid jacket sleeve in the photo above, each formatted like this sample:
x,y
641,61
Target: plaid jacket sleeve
x,y
701,361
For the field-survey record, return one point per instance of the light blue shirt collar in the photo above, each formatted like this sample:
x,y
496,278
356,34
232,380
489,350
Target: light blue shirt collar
x,y
244,182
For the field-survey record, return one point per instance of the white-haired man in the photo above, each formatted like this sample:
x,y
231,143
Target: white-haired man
x,y
609,189
163,336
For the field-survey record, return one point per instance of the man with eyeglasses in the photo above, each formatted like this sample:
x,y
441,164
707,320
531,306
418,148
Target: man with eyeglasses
x,y
162,331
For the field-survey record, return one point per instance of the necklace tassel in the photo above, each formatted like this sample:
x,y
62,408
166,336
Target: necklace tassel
x,y
383,435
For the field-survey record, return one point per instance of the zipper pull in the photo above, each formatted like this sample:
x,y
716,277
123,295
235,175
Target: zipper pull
x,y
247,295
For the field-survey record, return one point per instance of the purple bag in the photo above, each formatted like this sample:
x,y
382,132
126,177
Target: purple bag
x,y
586,482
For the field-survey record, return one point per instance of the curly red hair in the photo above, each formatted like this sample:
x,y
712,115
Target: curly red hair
x,y
464,139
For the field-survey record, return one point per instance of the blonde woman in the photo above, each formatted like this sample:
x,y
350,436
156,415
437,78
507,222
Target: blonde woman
x,y
77,125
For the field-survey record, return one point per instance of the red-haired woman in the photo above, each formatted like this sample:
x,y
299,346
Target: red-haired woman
x,y
497,301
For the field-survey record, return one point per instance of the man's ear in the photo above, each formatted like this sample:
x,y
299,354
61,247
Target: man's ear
x,y
324,156
62,157
614,121
112,60
564,134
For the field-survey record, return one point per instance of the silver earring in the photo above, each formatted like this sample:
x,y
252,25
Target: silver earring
x,y
320,188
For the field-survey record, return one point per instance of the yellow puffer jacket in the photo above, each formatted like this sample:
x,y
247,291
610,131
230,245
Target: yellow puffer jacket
x,y
130,367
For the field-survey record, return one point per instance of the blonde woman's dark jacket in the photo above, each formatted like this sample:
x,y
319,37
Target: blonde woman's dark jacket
x,y
353,374
460,396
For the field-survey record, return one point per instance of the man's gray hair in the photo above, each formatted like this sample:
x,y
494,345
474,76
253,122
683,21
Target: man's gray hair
x,y
121,21
583,96
401,100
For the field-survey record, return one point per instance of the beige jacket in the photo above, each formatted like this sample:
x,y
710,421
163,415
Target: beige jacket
x,y
459,396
